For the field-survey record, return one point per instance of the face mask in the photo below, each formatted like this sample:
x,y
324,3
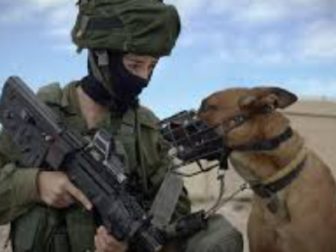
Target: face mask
x,y
96,91
126,85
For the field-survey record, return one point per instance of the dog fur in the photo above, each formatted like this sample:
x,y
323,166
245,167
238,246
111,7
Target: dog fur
x,y
305,220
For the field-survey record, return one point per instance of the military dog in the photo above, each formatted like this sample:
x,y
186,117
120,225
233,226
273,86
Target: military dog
x,y
294,206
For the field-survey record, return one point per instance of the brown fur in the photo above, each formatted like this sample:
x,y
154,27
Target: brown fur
x,y
306,219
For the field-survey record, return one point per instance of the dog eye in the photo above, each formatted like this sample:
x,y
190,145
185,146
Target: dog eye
x,y
206,107
212,107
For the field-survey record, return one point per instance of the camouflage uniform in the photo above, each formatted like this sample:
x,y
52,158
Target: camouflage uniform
x,y
18,188
38,228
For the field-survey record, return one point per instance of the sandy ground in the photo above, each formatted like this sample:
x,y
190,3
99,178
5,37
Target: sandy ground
x,y
316,121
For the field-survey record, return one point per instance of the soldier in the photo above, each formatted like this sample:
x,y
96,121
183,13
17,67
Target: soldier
x,y
125,40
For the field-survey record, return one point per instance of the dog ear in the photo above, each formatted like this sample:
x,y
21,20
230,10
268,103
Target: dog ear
x,y
285,98
267,98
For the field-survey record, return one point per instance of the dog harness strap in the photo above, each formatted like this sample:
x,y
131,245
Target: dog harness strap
x,y
272,185
269,144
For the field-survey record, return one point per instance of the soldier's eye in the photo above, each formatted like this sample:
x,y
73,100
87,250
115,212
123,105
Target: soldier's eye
x,y
133,67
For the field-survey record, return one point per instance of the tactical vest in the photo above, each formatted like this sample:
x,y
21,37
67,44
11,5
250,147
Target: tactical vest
x,y
44,229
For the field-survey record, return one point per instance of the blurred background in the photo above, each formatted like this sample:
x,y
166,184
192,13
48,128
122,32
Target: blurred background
x,y
224,43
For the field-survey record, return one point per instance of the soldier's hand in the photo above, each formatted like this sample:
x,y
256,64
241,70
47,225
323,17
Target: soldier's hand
x,y
56,190
107,243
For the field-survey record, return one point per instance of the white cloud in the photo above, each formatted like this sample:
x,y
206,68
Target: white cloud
x,y
264,31
59,32
319,41
13,16
188,8
198,38
50,3
55,18
26,10
63,15
273,10
257,11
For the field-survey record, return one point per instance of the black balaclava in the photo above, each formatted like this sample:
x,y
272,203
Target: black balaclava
x,y
123,86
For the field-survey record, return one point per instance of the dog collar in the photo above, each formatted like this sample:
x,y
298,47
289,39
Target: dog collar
x,y
269,144
281,179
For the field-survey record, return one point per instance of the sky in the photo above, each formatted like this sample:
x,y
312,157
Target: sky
x,y
223,44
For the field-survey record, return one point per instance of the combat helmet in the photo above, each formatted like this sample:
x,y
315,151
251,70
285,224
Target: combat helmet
x,y
145,27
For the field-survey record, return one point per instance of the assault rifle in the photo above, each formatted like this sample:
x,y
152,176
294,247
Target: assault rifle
x,y
44,141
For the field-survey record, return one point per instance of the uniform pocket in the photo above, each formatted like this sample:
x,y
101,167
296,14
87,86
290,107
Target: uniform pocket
x,y
25,229
59,241
39,230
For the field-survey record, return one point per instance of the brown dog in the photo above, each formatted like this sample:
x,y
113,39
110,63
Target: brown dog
x,y
294,208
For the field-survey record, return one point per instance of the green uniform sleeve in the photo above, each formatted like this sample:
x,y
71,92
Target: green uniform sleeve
x,y
18,189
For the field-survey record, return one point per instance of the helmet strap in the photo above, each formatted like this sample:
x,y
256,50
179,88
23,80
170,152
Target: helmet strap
x,y
95,67
100,67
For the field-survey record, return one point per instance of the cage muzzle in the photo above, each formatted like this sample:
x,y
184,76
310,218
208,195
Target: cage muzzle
x,y
192,140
